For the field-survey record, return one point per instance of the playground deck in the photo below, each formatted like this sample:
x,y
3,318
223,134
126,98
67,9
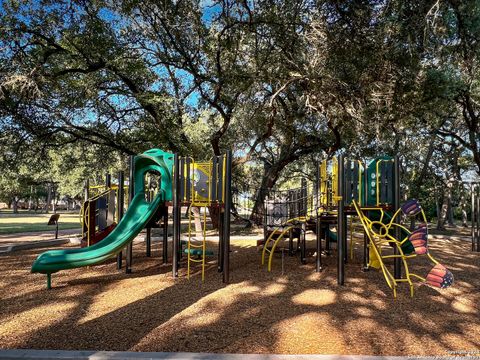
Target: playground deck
x,y
301,312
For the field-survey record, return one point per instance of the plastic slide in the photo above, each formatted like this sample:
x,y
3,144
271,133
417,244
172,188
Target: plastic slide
x,y
138,214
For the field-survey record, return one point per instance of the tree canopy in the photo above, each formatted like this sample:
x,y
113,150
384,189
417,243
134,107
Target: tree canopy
x,y
281,83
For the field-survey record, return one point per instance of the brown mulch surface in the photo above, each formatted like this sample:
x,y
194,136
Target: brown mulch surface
x,y
300,312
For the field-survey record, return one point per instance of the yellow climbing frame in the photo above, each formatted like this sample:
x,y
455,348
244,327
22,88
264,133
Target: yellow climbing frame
x,y
287,227
201,173
377,240
192,244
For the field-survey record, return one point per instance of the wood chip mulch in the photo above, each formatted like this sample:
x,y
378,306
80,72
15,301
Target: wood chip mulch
x,y
299,312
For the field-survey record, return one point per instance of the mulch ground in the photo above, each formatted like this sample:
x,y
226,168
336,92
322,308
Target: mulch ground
x,y
299,312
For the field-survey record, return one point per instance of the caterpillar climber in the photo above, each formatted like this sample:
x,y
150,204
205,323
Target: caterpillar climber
x,y
413,243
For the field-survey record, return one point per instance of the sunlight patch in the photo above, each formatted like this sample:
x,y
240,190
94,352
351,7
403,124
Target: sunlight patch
x,y
306,334
315,297
34,319
464,306
314,276
364,311
274,289
126,292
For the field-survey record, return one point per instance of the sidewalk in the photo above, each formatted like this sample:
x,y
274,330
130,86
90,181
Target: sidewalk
x,y
128,355
35,239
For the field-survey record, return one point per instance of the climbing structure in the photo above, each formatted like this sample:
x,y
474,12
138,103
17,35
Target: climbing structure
x,y
327,203
411,244
341,182
286,216
205,185
99,213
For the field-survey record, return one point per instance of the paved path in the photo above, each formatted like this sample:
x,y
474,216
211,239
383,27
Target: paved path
x,y
30,240
7,239
120,355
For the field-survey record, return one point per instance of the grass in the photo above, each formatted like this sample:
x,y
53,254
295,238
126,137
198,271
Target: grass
x,y
28,222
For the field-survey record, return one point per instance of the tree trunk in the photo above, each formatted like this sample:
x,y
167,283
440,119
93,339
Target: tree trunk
x,y
442,207
30,200
450,210
49,198
197,220
258,208
269,179
425,166
464,218
463,206
214,212
54,201
15,205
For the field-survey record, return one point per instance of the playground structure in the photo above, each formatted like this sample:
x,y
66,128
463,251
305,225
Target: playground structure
x,y
181,182
344,189
285,216
413,244
100,211
104,206
369,191
206,185
328,202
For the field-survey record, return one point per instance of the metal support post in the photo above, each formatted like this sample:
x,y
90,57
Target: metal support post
x,y
131,194
176,216
340,223
226,225
165,236
120,205
397,270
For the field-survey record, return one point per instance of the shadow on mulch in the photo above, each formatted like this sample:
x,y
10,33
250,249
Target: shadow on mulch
x,y
259,312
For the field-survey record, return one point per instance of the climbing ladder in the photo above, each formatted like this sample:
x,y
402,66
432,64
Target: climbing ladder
x,y
197,248
201,197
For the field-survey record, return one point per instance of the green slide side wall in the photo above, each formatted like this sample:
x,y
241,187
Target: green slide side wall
x,y
135,219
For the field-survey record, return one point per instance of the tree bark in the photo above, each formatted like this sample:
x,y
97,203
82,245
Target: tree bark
x,y
425,166
450,210
441,214
30,200
214,212
54,200
15,205
269,179
49,198
463,206
197,220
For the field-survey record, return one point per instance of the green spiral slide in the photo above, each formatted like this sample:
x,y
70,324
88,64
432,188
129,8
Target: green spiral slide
x,y
139,212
